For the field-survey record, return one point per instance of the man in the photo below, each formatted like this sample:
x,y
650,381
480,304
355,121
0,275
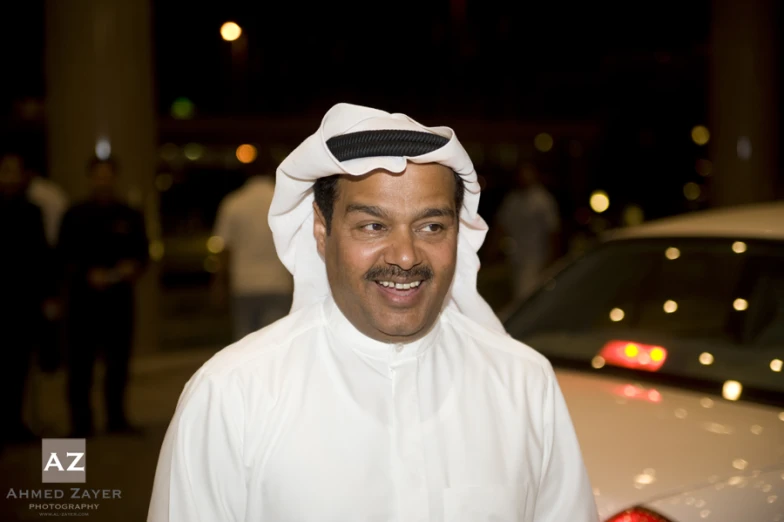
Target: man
x,y
391,391
23,284
103,244
529,216
52,201
260,285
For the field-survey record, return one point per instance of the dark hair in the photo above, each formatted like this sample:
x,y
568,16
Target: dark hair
x,y
325,192
95,161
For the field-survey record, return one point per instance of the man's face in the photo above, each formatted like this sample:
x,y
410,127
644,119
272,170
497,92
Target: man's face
x,y
390,230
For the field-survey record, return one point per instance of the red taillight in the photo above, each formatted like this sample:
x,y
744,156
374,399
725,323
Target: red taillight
x,y
637,515
636,356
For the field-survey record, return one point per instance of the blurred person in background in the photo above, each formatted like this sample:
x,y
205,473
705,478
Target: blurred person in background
x,y
24,274
250,270
528,216
103,245
53,202
51,199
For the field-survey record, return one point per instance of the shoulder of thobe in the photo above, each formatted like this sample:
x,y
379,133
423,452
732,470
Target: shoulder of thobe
x,y
244,362
201,468
496,341
200,473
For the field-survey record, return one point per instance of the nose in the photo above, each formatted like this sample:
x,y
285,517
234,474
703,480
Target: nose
x,y
402,250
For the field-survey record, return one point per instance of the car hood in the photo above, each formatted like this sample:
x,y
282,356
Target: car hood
x,y
756,496
643,442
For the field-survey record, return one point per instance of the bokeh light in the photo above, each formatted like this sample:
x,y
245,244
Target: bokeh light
x,y
246,153
599,201
230,31
700,135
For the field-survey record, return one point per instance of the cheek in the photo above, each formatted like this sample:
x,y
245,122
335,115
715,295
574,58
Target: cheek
x,y
442,258
354,257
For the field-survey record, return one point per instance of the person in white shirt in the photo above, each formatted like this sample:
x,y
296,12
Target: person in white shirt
x,y
52,201
259,284
391,391
529,216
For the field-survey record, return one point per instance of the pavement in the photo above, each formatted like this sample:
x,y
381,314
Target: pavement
x,y
113,462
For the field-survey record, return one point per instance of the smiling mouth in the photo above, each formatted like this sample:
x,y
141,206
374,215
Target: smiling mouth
x,y
399,286
400,293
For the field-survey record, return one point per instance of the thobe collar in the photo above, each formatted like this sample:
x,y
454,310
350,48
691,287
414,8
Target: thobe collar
x,y
381,355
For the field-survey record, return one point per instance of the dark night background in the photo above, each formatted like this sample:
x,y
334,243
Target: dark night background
x,y
600,97
635,77
618,87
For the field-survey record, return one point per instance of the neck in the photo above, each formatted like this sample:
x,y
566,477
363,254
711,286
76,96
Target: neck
x,y
371,344
369,331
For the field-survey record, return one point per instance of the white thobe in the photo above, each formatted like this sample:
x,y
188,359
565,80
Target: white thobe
x,y
310,420
241,222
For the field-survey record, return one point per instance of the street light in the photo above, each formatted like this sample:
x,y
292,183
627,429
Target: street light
x,y
238,48
230,31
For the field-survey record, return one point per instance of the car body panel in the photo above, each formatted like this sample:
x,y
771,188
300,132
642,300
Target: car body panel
x,y
760,221
757,497
639,445
684,454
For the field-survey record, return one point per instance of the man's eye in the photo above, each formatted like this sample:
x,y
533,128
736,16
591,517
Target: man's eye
x,y
373,227
433,227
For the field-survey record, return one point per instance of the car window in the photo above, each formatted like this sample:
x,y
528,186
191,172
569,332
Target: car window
x,y
713,307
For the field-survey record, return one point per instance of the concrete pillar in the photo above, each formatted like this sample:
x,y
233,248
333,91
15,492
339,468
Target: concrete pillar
x,y
100,87
744,101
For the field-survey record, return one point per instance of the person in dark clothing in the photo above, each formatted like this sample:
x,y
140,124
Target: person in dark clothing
x,y
103,245
23,278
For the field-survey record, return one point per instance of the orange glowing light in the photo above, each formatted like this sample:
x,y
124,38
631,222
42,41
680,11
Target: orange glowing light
x,y
246,153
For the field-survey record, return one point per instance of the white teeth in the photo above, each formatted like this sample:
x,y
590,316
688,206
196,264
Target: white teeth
x,y
400,286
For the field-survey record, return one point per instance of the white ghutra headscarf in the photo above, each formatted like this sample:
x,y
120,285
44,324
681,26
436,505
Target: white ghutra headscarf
x,y
291,213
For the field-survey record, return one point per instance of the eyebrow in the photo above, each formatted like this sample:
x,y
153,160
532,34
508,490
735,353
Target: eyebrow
x,y
447,212
380,213
367,209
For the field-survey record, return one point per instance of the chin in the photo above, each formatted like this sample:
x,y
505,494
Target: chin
x,y
401,329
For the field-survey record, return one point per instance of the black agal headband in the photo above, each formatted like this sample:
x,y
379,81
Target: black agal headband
x,y
374,143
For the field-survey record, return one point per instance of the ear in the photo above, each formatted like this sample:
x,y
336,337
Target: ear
x,y
319,229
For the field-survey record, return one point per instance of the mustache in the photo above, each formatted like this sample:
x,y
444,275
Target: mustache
x,y
386,273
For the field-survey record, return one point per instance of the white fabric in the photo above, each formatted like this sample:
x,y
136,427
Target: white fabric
x,y
52,201
242,224
291,214
309,420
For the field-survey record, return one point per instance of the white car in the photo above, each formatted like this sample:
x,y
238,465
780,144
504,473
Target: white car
x,y
668,341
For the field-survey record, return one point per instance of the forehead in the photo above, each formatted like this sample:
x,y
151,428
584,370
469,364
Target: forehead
x,y
418,185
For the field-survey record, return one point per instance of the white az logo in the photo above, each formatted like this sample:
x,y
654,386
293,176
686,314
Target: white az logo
x,y
54,461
